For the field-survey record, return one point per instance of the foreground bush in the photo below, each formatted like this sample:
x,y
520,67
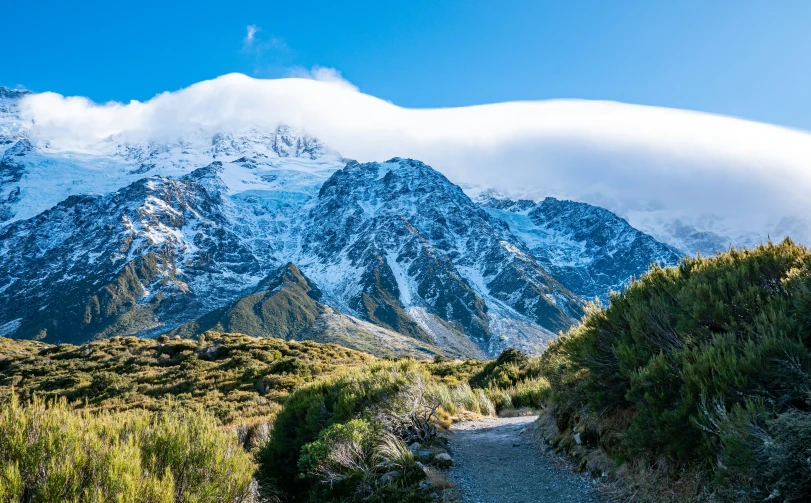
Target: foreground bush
x,y
703,370
49,452
344,438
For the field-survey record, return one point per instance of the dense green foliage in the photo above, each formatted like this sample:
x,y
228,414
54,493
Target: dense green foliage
x,y
513,381
706,365
51,452
341,435
235,377
344,438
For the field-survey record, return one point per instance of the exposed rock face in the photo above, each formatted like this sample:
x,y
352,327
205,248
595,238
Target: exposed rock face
x,y
587,248
286,305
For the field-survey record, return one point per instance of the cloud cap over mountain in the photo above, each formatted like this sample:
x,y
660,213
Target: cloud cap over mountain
x,y
740,178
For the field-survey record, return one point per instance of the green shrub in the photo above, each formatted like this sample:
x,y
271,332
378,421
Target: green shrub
x,y
785,465
506,370
343,438
207,463
530,394
49,452
314,407
513,380
342,456
707,365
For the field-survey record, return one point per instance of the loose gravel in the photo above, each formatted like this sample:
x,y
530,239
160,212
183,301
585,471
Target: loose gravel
x,y
497,461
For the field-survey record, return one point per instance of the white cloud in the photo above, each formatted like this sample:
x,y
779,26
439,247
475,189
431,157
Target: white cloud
x,y
322,74
249,35
629,158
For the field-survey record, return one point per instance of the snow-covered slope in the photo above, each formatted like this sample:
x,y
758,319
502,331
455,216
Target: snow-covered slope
x,y
129,237
136,238
384,237
589,249
151,253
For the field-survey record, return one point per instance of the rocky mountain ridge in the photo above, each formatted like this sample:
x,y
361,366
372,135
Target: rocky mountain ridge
x,y
141,238
589,249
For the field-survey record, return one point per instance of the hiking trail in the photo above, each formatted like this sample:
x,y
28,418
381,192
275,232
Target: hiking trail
x,y
496,460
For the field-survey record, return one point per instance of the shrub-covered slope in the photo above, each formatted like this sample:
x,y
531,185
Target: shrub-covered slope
x,y
699,376
235,377
233,418
186,417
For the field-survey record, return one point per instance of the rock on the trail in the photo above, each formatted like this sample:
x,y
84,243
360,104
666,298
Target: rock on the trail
x,y
443,460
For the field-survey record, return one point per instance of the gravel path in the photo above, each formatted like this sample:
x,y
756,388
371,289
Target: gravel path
x,y
497,461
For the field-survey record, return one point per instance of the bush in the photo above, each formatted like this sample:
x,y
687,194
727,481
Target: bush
x,y
316,406
49,452
530,394
342,455
785,461
706,365
343,438
513,380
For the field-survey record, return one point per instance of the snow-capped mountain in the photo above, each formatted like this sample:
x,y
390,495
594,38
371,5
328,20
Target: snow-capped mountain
x,y
153,252
587,248
387,237
129,237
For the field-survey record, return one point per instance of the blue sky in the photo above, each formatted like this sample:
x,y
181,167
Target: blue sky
x,y
744,58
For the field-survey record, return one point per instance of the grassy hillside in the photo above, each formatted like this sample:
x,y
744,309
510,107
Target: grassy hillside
x,y
695,383
235,377
287,306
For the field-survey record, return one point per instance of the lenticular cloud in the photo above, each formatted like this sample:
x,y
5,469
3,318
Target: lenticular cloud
x,y
654,166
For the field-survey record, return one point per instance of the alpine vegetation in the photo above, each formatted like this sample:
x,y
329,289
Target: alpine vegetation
x,y
693,385
51,452
372,434
230,418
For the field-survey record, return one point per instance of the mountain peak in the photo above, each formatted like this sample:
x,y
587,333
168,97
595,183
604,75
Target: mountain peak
x,y
289,275
19,149
12,94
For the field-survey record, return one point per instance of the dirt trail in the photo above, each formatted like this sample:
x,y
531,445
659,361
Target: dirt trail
x,y
496,461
